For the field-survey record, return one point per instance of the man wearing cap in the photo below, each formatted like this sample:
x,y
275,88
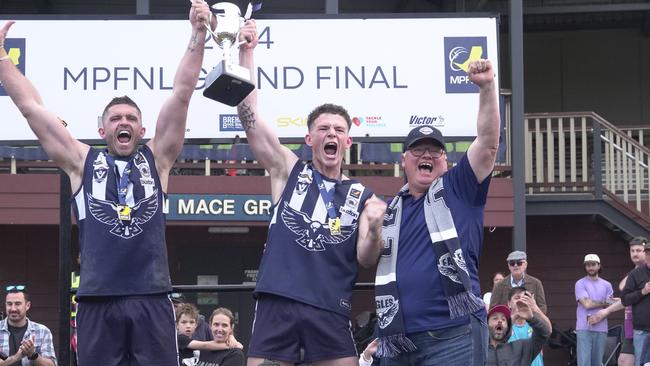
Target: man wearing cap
x,y
517,264
635,294
592,294
522,351
202,331
637,256
427,286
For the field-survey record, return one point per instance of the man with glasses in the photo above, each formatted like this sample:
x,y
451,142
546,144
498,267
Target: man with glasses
x,y
427,287
23,341
517,264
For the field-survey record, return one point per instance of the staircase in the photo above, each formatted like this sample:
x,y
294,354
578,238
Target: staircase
x,y
579,163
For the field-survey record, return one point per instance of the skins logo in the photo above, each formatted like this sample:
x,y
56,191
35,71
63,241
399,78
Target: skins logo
x,y
459,52
446,265
387,307
313,234
16,50
106,213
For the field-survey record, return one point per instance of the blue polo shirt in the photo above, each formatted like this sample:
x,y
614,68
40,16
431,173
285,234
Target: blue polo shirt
x,y
421,293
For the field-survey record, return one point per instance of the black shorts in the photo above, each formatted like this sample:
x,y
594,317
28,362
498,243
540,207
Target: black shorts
x,y
126,330
628,346
283,326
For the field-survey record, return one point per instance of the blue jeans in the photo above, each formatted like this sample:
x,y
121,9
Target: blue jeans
x,y
639,337
448,347
591,347
480,339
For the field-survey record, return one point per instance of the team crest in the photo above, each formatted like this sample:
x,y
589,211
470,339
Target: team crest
x,y
99,174
112,214
100,169
313,235
304,180
387,308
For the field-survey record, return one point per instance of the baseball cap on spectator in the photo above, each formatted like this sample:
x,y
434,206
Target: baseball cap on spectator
x,y
639,240
592,258
503,309
178,298
517,255
423,133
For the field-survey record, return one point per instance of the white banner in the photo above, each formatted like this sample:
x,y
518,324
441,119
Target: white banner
x,y
391,74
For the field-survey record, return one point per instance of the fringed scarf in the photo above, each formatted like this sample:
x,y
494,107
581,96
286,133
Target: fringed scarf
x,y
451,266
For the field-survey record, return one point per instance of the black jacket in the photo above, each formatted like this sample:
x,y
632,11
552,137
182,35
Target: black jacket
x,y
631,296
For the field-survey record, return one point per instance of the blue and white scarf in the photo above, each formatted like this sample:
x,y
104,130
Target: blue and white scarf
x,y
451,266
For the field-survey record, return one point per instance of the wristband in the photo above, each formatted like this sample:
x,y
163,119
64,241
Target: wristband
x,y
33,356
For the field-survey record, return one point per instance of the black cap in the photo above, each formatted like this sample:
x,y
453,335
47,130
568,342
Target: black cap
x,y
639,240
424,132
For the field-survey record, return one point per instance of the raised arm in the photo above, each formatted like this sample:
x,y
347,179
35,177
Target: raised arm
x,y
276,159
369,244
482,152
540,297
527,309
170,127
60,146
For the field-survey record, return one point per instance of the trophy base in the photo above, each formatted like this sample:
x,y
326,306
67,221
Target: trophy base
x,y
228,84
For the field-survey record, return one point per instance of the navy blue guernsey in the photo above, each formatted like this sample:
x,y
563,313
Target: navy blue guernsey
x,y
305,259
122,253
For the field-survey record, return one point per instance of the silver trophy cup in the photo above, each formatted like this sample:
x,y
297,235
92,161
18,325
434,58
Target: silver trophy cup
x,y
227,83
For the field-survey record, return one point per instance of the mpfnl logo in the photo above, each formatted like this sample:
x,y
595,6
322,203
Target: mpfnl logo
x,y
16,50
459,52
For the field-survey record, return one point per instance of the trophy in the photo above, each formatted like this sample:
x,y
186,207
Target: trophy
x,y
227,83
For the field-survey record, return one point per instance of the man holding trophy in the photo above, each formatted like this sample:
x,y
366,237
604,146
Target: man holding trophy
x,y
125,316
322,226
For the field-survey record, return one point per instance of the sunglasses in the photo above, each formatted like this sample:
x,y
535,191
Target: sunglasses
x,y
15,288
515,263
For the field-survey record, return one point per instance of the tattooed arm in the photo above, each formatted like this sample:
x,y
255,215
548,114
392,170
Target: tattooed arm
x,y
278,160
170,127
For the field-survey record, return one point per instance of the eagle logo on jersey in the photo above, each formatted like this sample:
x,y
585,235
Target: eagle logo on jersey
x,y
313,235
107,212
